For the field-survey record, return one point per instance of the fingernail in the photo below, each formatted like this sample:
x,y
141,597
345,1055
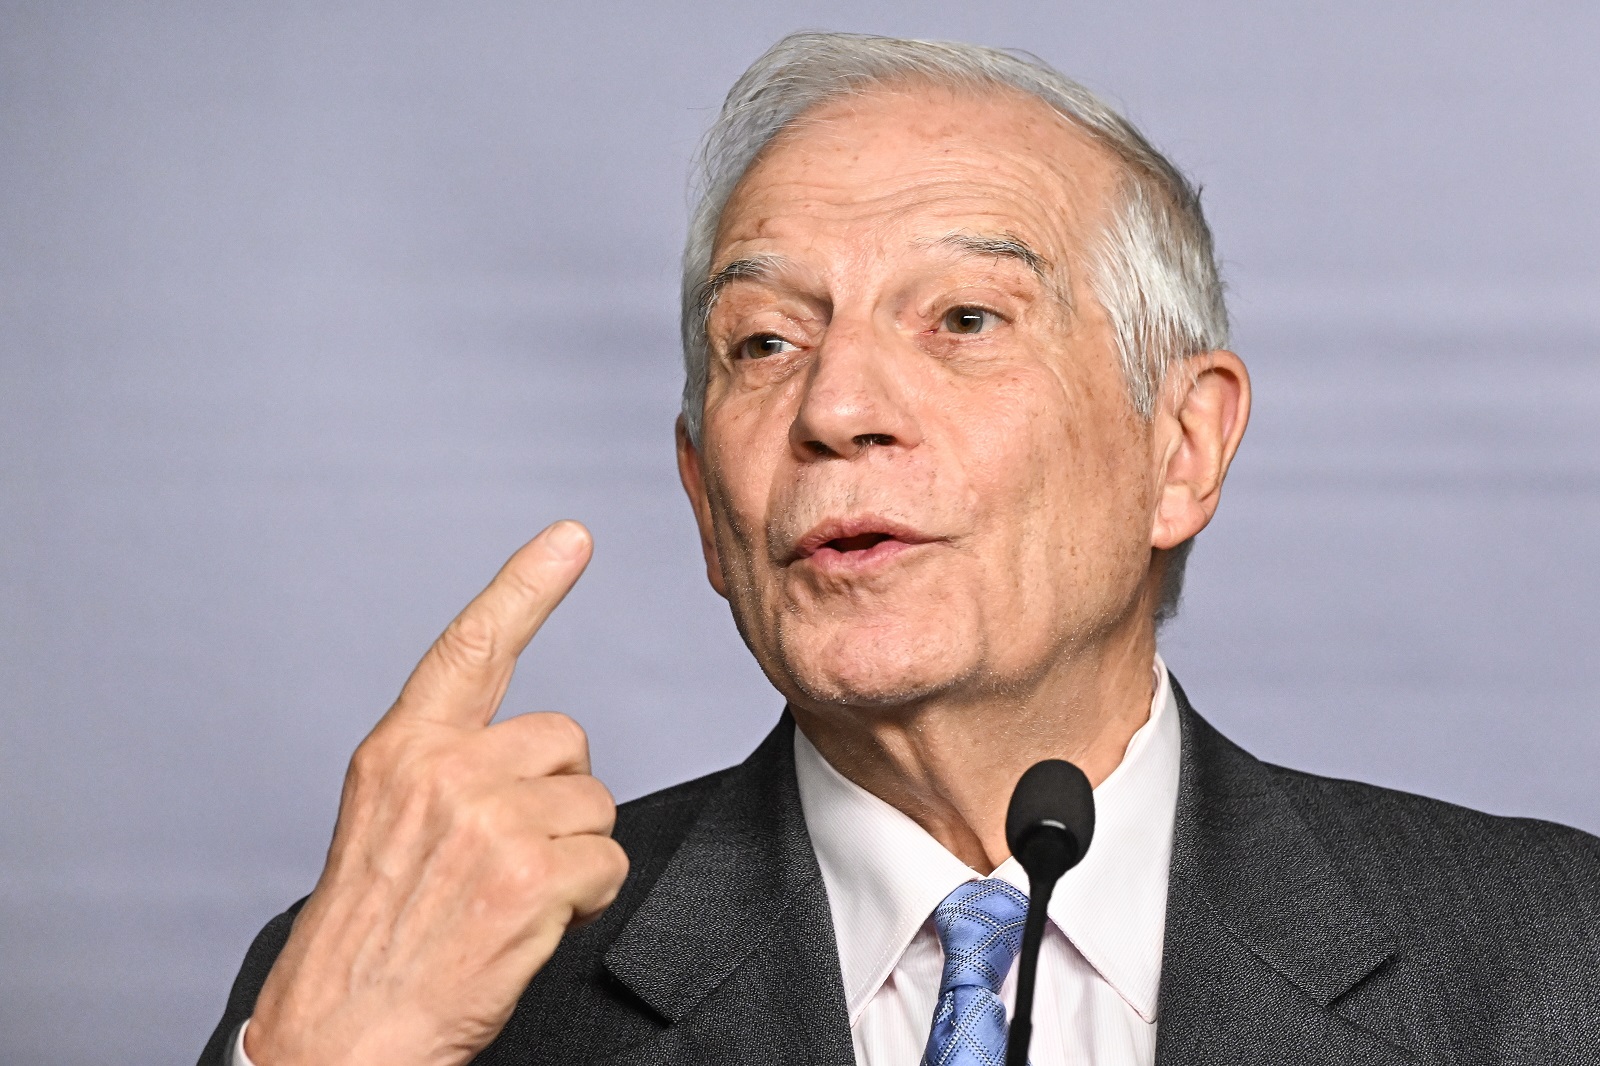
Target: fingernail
x,y
567,539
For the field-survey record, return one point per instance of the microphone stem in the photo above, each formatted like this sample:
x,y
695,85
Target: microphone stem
x,y
1021,1032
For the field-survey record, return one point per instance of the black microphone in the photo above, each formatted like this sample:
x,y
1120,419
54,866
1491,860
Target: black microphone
x,y
1048,828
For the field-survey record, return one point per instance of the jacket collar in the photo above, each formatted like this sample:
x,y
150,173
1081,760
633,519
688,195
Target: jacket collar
x,y
1264,936
743,900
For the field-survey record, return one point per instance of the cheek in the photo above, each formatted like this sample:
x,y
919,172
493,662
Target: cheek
x,y
750,446
1062,468
1103,505
1018,441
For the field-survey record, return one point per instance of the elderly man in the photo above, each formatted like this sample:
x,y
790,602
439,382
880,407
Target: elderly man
x,y
958,400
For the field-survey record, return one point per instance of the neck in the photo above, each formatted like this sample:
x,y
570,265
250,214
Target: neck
x,y
949,763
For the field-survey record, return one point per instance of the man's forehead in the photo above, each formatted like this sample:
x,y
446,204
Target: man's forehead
x,y
930,165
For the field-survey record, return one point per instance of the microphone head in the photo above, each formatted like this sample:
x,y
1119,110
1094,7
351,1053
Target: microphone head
x,y
1051,819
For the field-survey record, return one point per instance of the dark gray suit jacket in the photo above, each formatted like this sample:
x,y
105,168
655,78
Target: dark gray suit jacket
x,y
1309,920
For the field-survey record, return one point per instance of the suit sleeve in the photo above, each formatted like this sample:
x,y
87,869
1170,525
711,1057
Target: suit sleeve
x,y
252,975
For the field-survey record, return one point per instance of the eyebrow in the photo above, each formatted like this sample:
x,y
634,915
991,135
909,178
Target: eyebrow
x,y
998,246
762,267
748,268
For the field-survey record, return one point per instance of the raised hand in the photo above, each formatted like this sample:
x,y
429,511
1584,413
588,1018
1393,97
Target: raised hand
x,y
462,852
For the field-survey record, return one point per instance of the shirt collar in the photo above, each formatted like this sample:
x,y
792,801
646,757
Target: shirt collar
x,y
885,874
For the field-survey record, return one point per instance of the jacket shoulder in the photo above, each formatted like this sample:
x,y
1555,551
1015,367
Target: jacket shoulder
x,y
1455,872
1390,841
1462,935
1354,811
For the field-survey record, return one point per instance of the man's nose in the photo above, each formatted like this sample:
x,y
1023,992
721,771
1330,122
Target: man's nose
x,y
857,395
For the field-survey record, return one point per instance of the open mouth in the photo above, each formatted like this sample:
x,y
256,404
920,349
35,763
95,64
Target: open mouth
x,y
858,543
853,543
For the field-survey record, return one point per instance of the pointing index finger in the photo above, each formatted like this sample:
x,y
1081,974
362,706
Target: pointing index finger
x,y
462,678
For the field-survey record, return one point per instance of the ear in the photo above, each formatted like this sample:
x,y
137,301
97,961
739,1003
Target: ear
x,y
1199,427
692,475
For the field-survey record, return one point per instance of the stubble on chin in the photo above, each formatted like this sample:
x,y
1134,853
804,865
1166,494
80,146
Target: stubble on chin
x,y
878,665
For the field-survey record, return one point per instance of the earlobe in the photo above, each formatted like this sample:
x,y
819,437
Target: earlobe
x,y
1201,426
692,475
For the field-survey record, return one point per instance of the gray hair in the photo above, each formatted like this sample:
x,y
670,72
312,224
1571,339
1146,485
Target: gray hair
x,y
1152,268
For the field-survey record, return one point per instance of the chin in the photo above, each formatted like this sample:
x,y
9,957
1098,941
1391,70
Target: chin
x,y
876,667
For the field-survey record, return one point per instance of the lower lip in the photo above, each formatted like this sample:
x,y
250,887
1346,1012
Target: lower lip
x,y
831,561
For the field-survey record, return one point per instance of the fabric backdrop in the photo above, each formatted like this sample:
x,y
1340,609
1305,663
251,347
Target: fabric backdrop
x,y
310,313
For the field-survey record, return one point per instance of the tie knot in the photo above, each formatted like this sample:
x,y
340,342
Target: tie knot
x,y
980,927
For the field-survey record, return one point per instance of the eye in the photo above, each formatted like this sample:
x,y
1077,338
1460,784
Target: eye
x,y
968,320
762,345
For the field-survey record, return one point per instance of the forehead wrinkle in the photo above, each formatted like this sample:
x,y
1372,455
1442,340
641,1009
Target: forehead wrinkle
x,y
819,173
981,212
765,267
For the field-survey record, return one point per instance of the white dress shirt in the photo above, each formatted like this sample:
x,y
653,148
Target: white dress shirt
x,y
1100,962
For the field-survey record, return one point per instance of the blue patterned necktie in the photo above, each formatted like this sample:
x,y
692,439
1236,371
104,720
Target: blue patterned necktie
x,y
980,926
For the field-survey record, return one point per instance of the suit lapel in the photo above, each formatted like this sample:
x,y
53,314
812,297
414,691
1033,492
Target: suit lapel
x,y
1263,935
734,944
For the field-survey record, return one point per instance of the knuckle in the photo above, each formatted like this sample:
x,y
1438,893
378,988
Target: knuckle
x,y
473,831
469,643
563,733
618,864
448,775
596,792
595,798
611,870
549,735
525,583
364,762
529,873
371,762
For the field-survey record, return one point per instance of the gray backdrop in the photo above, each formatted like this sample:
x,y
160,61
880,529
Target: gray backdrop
x,y
311,313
